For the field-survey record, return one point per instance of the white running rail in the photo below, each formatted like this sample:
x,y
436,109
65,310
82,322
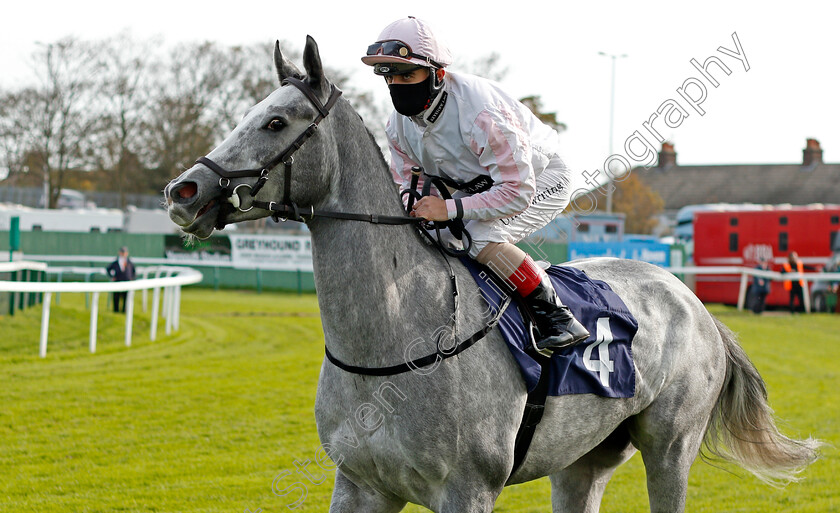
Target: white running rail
x,y
746,272
168,278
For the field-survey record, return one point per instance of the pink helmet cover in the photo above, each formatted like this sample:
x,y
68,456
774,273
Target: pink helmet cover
x,y
418,35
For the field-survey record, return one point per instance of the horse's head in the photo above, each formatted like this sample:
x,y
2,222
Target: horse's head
x,y
217,190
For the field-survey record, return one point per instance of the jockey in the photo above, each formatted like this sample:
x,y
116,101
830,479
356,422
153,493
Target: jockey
x,y
501,161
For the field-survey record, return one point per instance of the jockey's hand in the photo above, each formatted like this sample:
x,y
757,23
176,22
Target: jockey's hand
x,y
430,208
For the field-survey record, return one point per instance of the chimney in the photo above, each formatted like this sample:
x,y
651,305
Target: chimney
x,y
812,154
667,157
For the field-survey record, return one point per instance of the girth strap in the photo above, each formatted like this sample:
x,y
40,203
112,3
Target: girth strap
x,y
531,417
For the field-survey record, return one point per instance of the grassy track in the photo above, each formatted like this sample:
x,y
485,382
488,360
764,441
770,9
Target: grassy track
x,y
206,419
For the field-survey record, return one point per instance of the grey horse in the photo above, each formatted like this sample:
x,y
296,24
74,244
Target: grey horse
x,y
443,436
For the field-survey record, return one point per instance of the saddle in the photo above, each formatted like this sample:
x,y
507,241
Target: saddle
x,y
601,365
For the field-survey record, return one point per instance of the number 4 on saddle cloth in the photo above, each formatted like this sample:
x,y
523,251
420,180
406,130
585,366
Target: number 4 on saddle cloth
x,y
602,364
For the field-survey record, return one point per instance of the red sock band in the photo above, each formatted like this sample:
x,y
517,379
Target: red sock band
x,y
526,277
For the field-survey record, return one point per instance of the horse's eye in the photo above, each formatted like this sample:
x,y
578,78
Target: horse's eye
x,y
275,125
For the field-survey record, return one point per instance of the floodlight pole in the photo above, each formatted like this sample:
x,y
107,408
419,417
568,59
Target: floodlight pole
x,y
612,120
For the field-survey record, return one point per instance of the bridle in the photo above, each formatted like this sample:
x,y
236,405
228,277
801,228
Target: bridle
x,y
288,209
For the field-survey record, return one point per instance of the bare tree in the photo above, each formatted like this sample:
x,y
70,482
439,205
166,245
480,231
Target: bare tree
x,y
125,84
180,126
204,91
134,118
15,113
251,78
62,121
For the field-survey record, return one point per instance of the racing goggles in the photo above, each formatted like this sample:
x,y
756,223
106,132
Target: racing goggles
x,y
397,49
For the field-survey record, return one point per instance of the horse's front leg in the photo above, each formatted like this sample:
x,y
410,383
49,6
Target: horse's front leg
x,y
349,498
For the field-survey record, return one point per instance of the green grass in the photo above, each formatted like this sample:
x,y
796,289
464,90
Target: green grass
x,y
205,419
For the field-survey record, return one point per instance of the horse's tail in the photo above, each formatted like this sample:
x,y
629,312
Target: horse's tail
x,y
742,428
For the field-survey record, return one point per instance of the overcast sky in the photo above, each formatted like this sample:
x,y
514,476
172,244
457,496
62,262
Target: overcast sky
x,y
763,115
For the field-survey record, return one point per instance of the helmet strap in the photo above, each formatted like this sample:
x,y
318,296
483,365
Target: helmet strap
x,y
436,83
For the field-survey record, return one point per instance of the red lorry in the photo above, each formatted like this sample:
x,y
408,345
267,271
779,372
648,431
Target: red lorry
x,y
741,237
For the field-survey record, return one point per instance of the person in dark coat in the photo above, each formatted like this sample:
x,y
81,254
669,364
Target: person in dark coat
x,y
760,288
121,269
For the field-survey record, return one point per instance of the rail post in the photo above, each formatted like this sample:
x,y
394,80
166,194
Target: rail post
x,y
129,316
806,296
742,292
155,307
45,324
94,317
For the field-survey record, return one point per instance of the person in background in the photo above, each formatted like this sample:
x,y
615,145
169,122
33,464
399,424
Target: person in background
x,y
121,269
760,287
794,287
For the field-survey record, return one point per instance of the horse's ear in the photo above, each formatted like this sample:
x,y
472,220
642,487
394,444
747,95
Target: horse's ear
x,y
285,68
312,65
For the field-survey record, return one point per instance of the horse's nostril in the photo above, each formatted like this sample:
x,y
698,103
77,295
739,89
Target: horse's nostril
x,y
186,191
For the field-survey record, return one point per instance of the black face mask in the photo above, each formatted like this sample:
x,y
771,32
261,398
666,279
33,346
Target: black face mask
x,y
411,99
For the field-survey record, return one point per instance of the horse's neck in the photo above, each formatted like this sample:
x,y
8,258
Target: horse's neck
x,y
373,279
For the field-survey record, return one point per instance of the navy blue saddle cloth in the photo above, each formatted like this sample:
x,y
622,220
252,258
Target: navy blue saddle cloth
x,y
601,365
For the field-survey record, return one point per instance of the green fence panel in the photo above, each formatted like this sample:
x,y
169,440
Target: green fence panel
x,y
104,244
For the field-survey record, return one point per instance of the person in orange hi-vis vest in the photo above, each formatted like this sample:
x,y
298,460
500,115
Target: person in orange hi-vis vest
x,y
794,288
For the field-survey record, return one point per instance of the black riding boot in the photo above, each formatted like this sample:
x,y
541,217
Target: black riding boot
x,y
557,327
